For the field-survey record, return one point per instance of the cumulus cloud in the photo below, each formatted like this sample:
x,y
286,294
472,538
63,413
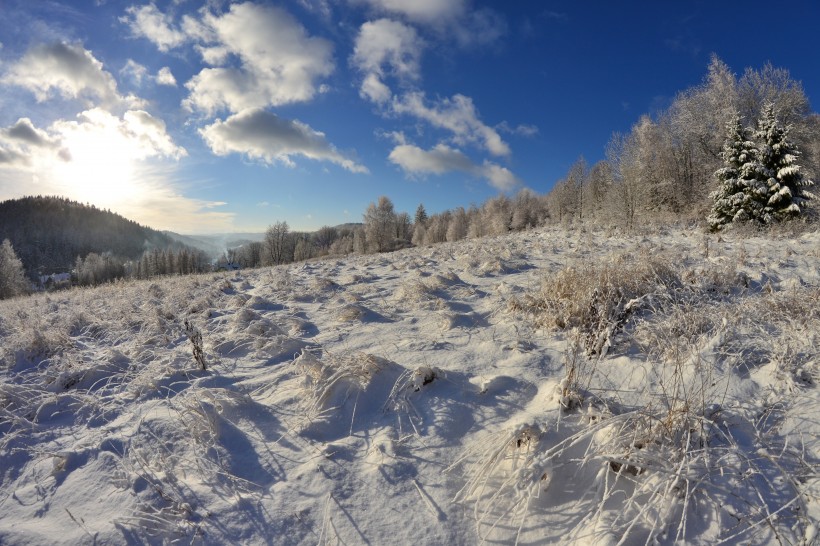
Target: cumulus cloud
x,y
148,22
442,159
386,48
166,77
279,62
375,90
457,115
21,142
137,134
262,135
500,177
149,135
135,71
67,69
391,43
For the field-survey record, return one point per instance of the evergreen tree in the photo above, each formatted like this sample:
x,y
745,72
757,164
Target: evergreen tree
x,y
421,215
741,195
786,188
12,276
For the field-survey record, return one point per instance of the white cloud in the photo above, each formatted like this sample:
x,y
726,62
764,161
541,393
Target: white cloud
x,y
451,20
386,48
69,69
457,115
135,71
321,7
148,22
95,133
166,77
442,159
391,43
375,90
279,61
104,147
420,11
500,177
263,135
391,49
520,130
149,135
22,142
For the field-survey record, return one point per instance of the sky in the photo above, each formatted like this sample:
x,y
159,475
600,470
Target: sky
x,y
214,117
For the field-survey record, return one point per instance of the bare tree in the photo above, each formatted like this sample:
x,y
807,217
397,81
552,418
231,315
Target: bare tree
x,y
404,228
599,185
324,238
278,244
629,190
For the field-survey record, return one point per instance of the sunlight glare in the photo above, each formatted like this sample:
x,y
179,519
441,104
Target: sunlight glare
x,y
102,168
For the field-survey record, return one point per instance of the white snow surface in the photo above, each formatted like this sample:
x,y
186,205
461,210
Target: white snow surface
x,y
416,398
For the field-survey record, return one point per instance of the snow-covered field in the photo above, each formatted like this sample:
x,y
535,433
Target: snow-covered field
x,y
547,387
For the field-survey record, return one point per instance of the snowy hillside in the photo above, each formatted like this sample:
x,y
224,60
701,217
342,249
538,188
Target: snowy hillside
x,y
550,386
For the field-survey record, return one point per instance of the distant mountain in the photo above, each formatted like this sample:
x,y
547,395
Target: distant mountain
x,y
216,245
48,233
195,241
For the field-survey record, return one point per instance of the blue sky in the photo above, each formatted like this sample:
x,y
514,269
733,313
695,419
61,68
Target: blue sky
x,y
221,116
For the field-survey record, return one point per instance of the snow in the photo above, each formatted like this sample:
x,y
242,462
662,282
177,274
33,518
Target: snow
x,y
418,398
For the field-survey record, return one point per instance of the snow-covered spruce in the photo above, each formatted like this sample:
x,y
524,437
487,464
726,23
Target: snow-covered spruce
x,y
761,180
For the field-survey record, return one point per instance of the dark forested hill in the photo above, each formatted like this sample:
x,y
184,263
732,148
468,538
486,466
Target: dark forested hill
x,y
48,233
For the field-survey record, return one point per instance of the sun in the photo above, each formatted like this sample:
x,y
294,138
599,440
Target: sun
x,y
100,167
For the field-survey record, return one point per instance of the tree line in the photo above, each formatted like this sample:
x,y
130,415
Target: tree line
x,y
732,149
665,166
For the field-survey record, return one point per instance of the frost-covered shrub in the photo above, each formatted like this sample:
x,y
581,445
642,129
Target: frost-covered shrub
x,y
598,299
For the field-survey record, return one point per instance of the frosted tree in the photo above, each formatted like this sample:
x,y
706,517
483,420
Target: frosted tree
x,y
598,186
437,228
12,276
457,228
278,244
526,210
419,234
303,250
741,195
404,228
380,225
786,187
359,241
